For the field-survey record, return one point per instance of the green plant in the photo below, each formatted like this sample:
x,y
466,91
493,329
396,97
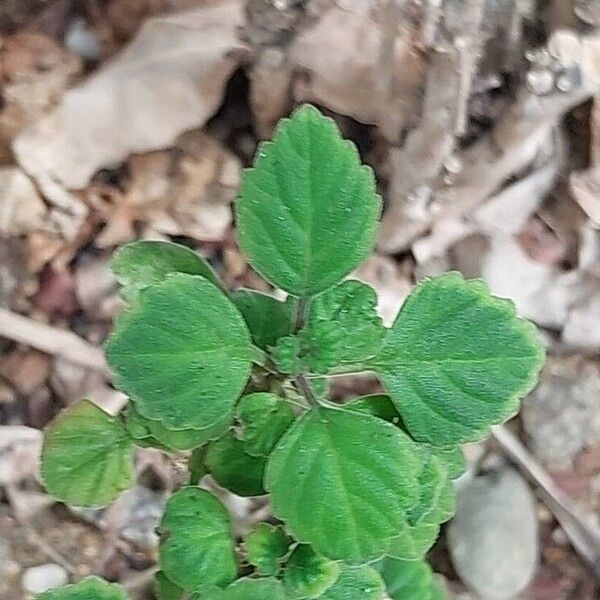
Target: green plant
x,y
359,490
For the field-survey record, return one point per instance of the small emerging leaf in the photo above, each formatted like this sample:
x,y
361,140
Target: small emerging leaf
x,y
457,360
87,458
267,318
196,467
343,328
356,583
142,264
265,418
196,548
308,575
266,547
90,588
233,468
377,405
183,353
307,212
247,589
338,490
155,434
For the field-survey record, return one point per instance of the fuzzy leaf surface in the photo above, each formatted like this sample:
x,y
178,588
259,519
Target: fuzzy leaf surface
x,y
182,352
265,588
235,469
343,327
307,212
457,360
142,264
87,589
265,418
268,319
356,583
407,579
265,547
87,457
196,548
337,490
308,575
165,589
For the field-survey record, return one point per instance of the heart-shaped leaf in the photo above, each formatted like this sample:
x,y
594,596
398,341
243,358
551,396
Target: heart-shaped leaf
x,y
87,589
265,588
307,212
265,548
338,490
308,575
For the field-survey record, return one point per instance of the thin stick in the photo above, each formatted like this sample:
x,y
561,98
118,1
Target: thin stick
x,y
51,340
584,536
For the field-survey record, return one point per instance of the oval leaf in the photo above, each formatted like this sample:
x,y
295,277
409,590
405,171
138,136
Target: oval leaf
x,y
267,318
233,468
457,360
197,549
307,212
142,264
265,418
308,575
356,583
90,587
265,548
336,489
87,457
182,353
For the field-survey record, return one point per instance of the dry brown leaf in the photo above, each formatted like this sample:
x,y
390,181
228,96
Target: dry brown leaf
x,y
169,79
21,208
340,58
20,449
26,370
35,71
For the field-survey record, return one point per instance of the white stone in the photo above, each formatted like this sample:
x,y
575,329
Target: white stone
x,y
44,577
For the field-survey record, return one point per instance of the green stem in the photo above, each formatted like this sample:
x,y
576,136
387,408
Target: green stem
x,y
301,314
304,386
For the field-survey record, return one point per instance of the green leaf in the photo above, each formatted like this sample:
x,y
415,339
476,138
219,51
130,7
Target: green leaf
x,y
453,458
90,588
153,433
196,547
338,490
307,212
246,588
267,318
233,468
457,360
196,467
407,579
142,264
356,583
265,418
342,328
308,575
87,458
377,405
165,589
266,546
413,541
182,353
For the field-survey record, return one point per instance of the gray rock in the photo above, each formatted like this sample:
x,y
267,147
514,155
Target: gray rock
x,y
493,537
44,577
562,416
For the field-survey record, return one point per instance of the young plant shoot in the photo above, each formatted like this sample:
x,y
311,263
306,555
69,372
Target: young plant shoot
x,y
358,490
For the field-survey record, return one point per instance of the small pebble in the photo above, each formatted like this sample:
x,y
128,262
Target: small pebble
x,y
540,81
44,577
